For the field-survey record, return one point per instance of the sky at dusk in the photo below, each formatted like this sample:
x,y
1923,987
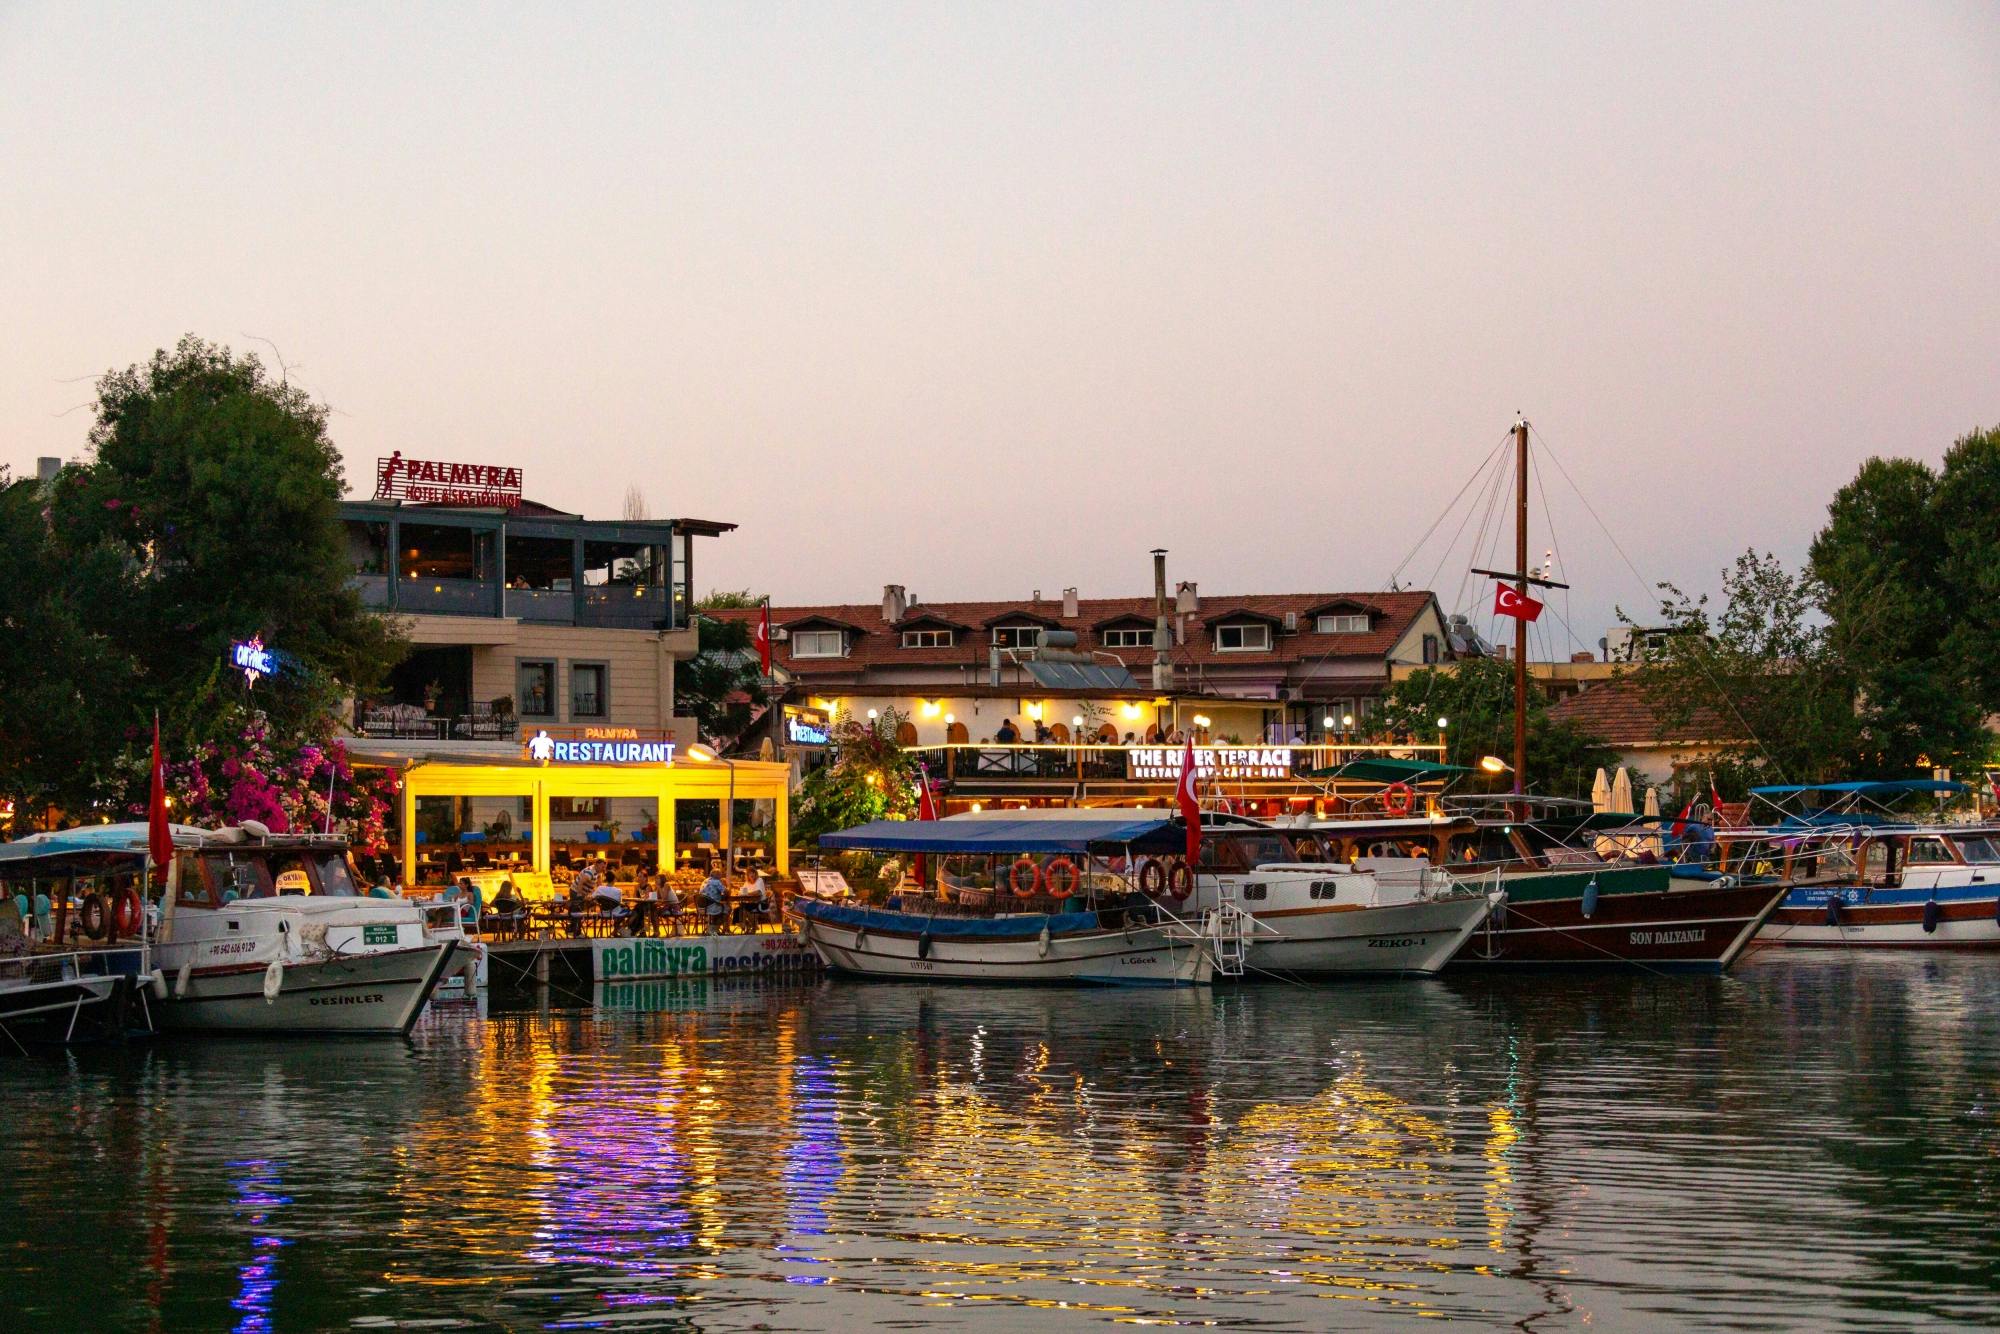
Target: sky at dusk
x,y
982,299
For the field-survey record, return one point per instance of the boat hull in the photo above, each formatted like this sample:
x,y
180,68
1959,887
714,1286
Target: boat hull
x,y
1405,938
1967,918
379,993
908,947
1640,919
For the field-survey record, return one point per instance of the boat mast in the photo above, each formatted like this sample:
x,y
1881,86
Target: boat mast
x,y
1521,624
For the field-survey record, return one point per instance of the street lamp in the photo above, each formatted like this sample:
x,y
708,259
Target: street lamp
x,y
1493,764
701,754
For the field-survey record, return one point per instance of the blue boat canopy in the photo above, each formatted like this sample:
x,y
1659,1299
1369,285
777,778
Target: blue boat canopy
x,y
1076,833
1863,788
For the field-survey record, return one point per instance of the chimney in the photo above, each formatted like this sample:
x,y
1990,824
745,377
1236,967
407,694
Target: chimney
x,y
1186,599
894,603
1037,598
1069,603
993,665
1163,672
47,468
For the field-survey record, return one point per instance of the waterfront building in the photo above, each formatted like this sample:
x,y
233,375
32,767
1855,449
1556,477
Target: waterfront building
x,y
1055,700
523,621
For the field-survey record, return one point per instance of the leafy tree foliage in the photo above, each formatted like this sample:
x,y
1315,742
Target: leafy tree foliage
x,y
1476,697
715,686
724,599
1909,571
870,777
1761,675
207,513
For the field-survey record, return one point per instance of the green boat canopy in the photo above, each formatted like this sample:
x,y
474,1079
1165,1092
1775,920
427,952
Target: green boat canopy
x,y
1391,771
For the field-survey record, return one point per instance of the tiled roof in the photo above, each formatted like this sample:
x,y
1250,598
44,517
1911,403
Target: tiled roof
x,y
880,643
1619,712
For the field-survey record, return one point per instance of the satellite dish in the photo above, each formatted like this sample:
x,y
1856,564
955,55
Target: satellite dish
x,y
255,828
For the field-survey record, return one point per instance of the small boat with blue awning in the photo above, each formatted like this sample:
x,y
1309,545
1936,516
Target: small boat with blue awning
x,y
1033,899
1865,877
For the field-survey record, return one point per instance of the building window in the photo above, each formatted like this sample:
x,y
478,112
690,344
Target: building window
x,y
929,638
1430,648
577,808
1125,638
819,644
589,696
1343,624
1017,636
535,689
1242,638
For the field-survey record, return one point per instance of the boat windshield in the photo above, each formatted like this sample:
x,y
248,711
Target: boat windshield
x,y
334,877
1982,849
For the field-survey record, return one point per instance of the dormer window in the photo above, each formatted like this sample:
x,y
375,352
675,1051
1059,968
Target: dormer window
x,y
819,643
1125,638
929,638
1343,623
1252,638
1017,636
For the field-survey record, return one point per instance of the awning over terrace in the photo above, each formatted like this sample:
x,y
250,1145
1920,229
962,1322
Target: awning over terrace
x,y
1073,834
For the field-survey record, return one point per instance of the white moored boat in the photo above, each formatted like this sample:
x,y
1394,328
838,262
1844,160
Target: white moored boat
x,y
266,932
1380,915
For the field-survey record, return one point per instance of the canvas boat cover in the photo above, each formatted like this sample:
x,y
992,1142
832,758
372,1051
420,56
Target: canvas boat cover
x,y
1075,833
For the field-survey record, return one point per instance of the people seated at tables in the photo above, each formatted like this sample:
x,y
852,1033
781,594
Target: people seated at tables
x,y
1006,736
756,907
508,907
714,897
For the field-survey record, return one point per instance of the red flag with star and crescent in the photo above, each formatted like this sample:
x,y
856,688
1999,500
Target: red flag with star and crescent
x,y
1185,796
926,810
1512,602
764,638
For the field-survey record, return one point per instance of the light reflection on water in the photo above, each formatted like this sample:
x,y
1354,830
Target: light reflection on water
x,y
1810,1143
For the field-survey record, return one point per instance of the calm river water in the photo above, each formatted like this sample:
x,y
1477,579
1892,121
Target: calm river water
x,y
1808,1143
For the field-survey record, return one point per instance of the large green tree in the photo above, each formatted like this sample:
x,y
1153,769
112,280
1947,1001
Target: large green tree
x,y
1908,570
1760,673
1475,696
207,512
717,685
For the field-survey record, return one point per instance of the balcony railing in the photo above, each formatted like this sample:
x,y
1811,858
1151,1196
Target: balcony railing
x,y
413,722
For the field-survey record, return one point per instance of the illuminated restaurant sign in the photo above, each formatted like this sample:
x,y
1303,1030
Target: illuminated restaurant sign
x,y
250,657
806,727
546,749
432,482
1163,763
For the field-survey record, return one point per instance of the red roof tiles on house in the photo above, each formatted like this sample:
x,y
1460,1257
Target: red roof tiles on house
x,y
1619,713
879,643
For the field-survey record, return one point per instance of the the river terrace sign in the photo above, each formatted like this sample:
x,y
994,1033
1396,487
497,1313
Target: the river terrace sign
x,y
1163,763
432,482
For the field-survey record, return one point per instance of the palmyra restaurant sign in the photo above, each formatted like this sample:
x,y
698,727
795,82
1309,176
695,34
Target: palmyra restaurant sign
x,y
432,482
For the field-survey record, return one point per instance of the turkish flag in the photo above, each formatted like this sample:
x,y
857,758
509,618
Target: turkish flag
x,y
1190,804
764,638
1681,820
1512,602
159,838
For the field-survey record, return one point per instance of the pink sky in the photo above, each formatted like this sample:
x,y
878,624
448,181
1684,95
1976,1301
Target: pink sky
x,y
985,299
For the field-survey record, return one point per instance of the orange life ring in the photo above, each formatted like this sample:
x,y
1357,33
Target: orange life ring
x,y
127,912
1398,798
93,914
1034,878
1066,869
1152,876
1180,881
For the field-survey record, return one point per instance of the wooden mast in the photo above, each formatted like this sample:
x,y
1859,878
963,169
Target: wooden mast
x,y
1521,624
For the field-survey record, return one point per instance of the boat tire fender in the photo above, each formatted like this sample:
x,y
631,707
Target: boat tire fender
x,y
95,915
1063,869
1832,911
1152,876
1024,877
924,945
274,980
1931,915
1590,898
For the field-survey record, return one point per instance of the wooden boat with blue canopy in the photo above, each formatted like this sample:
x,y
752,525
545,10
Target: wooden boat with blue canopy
x,y
1012,899
1861,875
